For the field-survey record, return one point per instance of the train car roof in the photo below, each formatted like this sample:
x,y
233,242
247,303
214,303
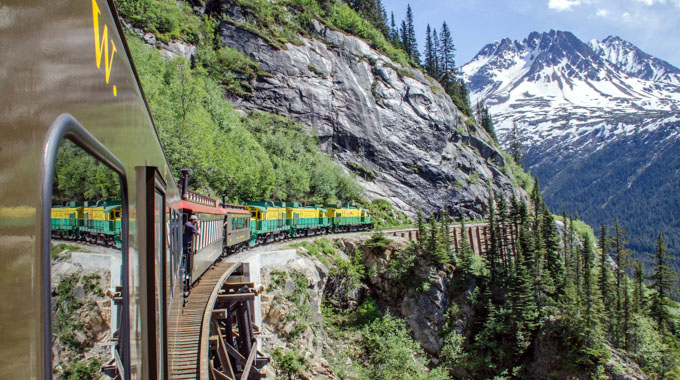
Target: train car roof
x,y
195,207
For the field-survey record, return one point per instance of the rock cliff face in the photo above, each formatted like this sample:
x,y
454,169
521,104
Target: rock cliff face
x,y
391,125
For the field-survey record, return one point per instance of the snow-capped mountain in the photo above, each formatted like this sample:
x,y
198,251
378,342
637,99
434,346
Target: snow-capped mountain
x,y
629,59
583,109
553,83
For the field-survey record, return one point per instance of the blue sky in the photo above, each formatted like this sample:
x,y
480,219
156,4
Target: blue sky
x,y
651,25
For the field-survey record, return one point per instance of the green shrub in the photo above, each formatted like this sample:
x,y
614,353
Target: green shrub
x,y
167,19
89,369
316,71
289,361
378,241
383,214
392,354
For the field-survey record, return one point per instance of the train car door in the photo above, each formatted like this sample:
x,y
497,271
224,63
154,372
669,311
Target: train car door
x,y
151,193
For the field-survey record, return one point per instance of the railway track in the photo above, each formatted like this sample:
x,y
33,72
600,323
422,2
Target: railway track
x,y
186,331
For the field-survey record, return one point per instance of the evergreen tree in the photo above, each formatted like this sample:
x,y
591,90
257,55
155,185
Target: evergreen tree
x,y
638,297
565,240
487,123
429,52
516,144
522,295
434,248
465,259
577,259
446,232
605,281
422,232
663,282
492,253
526,243
373,11
403,37
589,292
436,74
464,96
551,244
627,312
622,256
394,32
411,36
447,64
502,236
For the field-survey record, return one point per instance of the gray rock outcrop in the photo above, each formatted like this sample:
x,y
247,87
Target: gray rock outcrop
x,y
375,115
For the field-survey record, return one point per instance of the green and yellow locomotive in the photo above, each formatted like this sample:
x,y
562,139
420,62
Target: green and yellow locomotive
x,y
93,222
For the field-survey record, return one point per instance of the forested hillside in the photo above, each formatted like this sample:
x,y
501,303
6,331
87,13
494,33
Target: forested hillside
x,y
549,304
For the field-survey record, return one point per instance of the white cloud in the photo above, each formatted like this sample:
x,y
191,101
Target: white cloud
x,y
564,5
602,13
625,15
649,3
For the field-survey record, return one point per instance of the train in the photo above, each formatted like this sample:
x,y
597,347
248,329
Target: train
x,y
267,221
92,222
67,76
236,227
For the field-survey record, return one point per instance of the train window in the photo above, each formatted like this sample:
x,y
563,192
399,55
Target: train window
x,y
86,246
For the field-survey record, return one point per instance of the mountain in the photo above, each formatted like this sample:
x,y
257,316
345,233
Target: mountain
x,y
600,123
387,122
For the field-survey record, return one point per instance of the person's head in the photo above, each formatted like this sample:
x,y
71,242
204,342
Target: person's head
x,y
193,218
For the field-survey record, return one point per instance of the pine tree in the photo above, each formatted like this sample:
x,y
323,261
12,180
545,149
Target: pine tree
x,y
487,123
589,296
551,243
492,253
522,295
446,232
373,11
411,36
436,74
622,255
394,32
465,258
627,312
663,282
429,52
638,297
605,281
516,144
403,37
502,237
434,248
447,64
577,259
422,232
464,96
565,240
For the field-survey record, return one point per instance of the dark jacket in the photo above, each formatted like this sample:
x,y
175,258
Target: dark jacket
x,y
189,231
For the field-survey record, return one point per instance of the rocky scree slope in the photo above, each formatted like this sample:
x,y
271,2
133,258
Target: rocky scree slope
x,y
391,125
599,122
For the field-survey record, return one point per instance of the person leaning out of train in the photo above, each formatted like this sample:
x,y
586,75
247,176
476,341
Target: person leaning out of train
x,y
190,229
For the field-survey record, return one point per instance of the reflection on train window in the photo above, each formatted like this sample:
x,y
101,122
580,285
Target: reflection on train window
x,y
86,264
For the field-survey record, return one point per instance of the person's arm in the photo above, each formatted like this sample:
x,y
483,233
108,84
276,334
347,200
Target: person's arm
x,y
198,230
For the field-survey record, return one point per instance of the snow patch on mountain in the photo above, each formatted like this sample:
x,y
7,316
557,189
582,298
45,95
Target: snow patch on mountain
x,y
560,88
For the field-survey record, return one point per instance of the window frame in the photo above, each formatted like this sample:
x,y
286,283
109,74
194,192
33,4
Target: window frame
x,y
66,127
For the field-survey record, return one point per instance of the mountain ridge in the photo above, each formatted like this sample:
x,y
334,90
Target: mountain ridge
x,y
575,101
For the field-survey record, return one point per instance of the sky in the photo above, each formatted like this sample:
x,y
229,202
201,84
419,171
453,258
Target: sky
x,y
651,25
